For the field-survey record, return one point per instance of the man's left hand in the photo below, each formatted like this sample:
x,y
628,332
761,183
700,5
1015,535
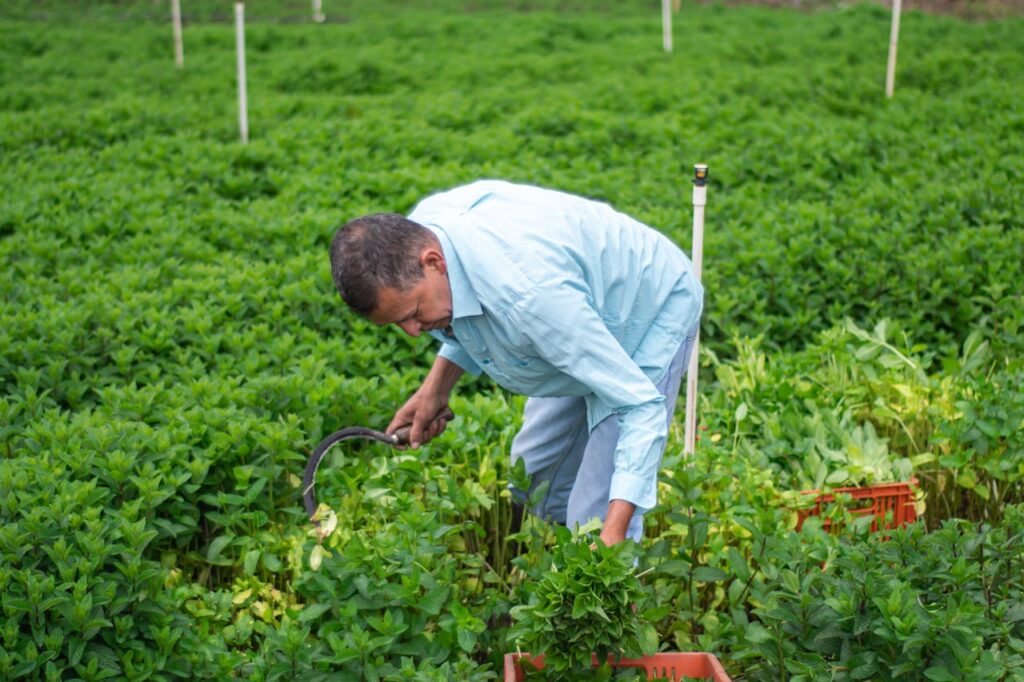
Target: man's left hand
x,y
616,522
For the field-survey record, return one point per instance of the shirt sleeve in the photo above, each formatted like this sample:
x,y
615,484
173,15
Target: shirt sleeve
x,y
460,357
565,329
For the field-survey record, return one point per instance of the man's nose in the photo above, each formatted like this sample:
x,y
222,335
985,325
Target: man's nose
x,y
410,327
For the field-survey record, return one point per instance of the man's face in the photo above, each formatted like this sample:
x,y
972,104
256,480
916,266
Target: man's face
x,y
425,306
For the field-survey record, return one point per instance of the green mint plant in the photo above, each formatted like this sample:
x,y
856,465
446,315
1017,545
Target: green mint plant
x,y
587,604
981,468
944,605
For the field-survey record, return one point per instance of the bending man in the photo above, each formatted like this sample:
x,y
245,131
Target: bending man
x,y
588,312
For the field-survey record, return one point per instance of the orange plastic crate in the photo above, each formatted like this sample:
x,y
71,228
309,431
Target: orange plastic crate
x,y
872,500
672,666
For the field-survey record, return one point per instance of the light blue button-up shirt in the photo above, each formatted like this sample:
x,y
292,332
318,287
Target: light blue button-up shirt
x,y
556,295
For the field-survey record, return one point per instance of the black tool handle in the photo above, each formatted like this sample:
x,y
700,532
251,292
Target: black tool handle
x,y
403,433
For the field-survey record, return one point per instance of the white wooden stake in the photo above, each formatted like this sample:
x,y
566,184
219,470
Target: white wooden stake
x,y
666,24
700,197
179,45
318,11
243,109
894,38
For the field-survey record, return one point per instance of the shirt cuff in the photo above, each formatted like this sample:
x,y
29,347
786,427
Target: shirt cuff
x,y
460,358
637,490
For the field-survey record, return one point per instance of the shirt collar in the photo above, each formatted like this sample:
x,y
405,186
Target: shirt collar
x,y
464,300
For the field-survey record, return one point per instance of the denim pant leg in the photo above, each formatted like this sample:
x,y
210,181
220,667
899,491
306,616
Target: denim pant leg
x,y
551,443
589,497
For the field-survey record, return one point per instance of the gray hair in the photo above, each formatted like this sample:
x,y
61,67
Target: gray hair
x,y
375,252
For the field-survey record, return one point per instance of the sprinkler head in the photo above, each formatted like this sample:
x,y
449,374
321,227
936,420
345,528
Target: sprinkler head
x,y
700,174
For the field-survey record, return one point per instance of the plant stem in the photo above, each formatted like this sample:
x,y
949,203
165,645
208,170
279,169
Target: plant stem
x,y
753,571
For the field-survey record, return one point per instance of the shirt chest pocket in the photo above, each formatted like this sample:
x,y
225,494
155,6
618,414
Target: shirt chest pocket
x,y
520,361
526,369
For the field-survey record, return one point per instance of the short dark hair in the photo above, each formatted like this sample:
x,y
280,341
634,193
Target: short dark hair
x,y
376,252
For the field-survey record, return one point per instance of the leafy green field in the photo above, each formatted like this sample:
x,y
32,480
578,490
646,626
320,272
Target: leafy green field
x,y
171,347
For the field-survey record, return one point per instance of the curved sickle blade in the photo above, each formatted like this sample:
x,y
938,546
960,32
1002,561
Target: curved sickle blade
x,y
309,479
400,437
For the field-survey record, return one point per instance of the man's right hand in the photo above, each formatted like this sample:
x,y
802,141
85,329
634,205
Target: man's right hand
x,y
423,412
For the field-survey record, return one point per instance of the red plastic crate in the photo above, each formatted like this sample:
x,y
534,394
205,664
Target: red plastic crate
x,y
672,666
872,500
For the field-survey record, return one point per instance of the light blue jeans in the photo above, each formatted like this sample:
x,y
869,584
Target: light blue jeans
x,y
556,447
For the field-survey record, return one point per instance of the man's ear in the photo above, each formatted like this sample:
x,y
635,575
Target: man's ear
x,y
431,257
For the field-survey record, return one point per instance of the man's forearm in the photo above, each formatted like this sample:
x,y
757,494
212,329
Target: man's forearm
x,y
616,521
442,377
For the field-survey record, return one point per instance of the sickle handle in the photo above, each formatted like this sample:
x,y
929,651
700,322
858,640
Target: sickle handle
x,y
403,433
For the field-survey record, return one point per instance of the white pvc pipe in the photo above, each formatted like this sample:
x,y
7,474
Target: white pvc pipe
x,y
894,38
700,197
179,45
666,24
318,11
243,108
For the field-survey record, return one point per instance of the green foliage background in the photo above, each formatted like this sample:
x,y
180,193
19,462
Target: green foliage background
x,y
171,347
